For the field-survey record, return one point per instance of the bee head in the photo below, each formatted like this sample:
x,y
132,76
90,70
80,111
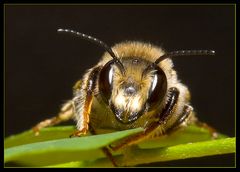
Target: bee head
x,y
140,89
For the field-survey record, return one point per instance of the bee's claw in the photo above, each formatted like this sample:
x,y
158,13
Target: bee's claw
x,y
215,135
78,133
36,131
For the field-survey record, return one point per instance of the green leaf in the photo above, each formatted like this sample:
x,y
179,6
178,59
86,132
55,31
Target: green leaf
x,y
54,148
144,156
50,133
61,150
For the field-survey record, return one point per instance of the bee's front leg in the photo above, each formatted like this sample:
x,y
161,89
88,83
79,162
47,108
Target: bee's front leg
x,y
83,101
84,93
168,110
185,116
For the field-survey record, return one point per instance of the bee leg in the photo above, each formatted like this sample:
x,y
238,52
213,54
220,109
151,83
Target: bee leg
x,y
83,102
105,150
108,153
169,108
211,130
65,114
187,110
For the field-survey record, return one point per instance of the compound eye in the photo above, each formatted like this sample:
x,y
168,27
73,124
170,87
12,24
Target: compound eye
x,y
158,88
105,81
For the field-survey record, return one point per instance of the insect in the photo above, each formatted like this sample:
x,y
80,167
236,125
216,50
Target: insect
x,y
133,85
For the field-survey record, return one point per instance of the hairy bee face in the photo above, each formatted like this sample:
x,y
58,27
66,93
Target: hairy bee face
x,y
139,90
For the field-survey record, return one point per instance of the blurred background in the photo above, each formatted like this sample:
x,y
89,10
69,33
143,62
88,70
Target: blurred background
x,y
41,66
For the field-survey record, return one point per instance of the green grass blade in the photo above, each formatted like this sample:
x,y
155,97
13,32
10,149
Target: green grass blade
x,y
50,133
63,150
182,151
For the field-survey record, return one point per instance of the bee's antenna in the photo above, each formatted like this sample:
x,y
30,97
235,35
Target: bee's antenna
x,y
184,53
98,42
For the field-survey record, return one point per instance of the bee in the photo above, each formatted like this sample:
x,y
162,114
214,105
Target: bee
x,y
133,85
